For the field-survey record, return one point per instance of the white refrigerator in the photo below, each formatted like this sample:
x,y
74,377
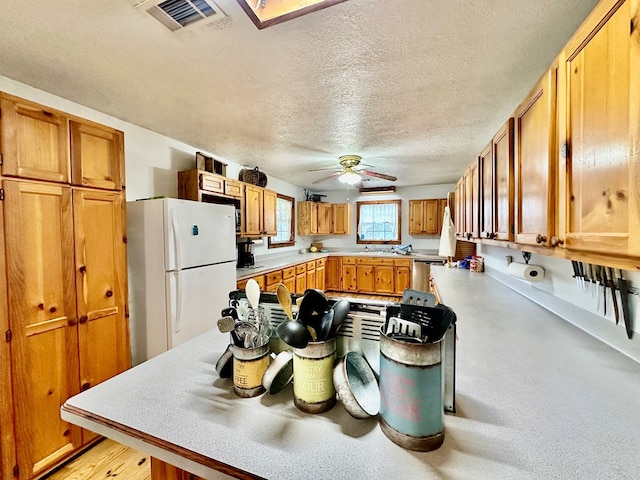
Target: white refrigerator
x,y
182,266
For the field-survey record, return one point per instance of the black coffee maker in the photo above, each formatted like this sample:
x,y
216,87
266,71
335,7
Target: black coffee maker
x,y
245,254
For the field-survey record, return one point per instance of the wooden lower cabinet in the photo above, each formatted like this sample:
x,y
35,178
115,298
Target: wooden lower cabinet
x,y
66,310
349,281
365,279
384,279
163,471
333,273
321,274
402,275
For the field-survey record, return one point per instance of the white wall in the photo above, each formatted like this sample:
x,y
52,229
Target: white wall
x,y
428,243
580,306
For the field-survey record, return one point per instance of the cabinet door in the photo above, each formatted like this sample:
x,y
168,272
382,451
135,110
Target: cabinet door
x,y
486,194
311,278
34,141
97,156
349,280
535,163
290,283
402,279
320,278
333,273
471,192
416,217
503,177
324,218
270,206
252,211
384,279
442,203
460,214
101,279
432,216
42,317
601,133
307,218
365,278
301,283
340,219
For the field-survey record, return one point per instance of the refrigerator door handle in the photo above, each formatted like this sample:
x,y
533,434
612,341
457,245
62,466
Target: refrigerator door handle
x,y
176,240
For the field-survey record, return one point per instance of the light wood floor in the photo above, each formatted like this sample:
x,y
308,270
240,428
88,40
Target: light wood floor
x,y
106,460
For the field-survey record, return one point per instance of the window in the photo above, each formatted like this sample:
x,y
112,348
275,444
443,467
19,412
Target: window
x,y
285,214
379,222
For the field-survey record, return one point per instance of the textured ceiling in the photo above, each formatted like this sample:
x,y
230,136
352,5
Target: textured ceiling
x,y
416,87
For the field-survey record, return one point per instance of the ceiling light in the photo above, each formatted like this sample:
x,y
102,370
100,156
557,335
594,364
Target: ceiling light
x,y
350,178
265,13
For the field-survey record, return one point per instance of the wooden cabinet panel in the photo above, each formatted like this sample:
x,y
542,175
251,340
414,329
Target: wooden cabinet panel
x,y
472,200
402,279
97,157
324,218
260,279
416,217
301,282
253,199
349,278
232,188
272,279
290,283
288,273
425,216
211,183
311,278
269,222
340,218
459,217
503,178
486,194
333,273
42,308
535,163
365,278
301,268
384,279
34,141
307,218
321,278
600,133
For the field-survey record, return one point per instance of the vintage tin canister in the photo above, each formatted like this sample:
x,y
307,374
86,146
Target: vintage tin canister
x,y
249,365
411,393
313,390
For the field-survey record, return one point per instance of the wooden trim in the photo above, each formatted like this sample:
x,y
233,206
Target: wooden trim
x,y
164,445
292,237
398,204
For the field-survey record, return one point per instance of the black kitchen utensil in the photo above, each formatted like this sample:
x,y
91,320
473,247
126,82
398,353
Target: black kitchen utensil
x,y
325,325
340,311
614,299
293,333
603,277
624,297
230,312
312,308
576,272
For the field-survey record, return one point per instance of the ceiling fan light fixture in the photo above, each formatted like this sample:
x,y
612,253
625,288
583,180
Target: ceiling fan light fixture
x,y
350,178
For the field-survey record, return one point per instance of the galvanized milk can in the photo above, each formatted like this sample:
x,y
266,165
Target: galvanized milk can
x,y
249,365
411,392
313,390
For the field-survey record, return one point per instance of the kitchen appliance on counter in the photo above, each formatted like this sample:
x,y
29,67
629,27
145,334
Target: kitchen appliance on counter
x,y
245,254
182,265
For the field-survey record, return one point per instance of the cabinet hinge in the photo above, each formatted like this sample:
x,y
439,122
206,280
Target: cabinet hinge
x,y
1,194
16,471
0,159
8,336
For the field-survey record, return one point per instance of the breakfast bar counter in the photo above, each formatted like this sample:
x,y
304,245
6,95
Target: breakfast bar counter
x,y
535,398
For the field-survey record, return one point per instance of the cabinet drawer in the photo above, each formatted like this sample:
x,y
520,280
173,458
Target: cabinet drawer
x,y
211,183
302,268
374,261
349,260
289,272
320,262
274,277
402,263
233,188
311,265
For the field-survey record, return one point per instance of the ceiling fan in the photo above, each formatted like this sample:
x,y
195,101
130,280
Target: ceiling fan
x,y
349,174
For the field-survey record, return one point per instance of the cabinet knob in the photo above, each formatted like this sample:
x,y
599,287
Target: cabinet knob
x,y
555,241
83,269
540,238
85,386
83,319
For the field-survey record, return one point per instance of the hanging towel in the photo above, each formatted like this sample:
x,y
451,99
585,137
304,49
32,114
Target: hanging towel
x,y
448,236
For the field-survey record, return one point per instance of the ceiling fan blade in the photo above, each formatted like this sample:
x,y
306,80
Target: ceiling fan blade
x,y
327,178
325,169
369,173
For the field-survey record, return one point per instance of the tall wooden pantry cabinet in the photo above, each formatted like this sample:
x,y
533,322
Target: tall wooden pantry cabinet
x,y
63,276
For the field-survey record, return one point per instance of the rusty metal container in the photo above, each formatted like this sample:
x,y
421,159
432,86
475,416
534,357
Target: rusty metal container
x,y
313,390
411,393
249,365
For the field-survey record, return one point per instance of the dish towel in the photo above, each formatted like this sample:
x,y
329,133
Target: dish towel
x,y
448,236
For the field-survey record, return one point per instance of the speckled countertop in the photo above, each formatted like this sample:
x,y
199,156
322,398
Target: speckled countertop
x,y
535,396
268,263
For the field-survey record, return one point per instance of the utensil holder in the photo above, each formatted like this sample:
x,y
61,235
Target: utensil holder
x,y
249,365
313,389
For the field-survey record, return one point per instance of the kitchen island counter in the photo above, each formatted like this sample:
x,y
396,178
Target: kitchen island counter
x,y
535,398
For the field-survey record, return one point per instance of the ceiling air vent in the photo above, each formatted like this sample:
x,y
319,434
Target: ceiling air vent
x,y
179,14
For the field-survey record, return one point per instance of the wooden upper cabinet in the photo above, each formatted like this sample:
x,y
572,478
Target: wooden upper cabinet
x,y
425,216
472,200
460,210
324,218
599,125
486,193
270,210
535,163
34,141
97,156
341,221
253,210
503,155
307,218
42,305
